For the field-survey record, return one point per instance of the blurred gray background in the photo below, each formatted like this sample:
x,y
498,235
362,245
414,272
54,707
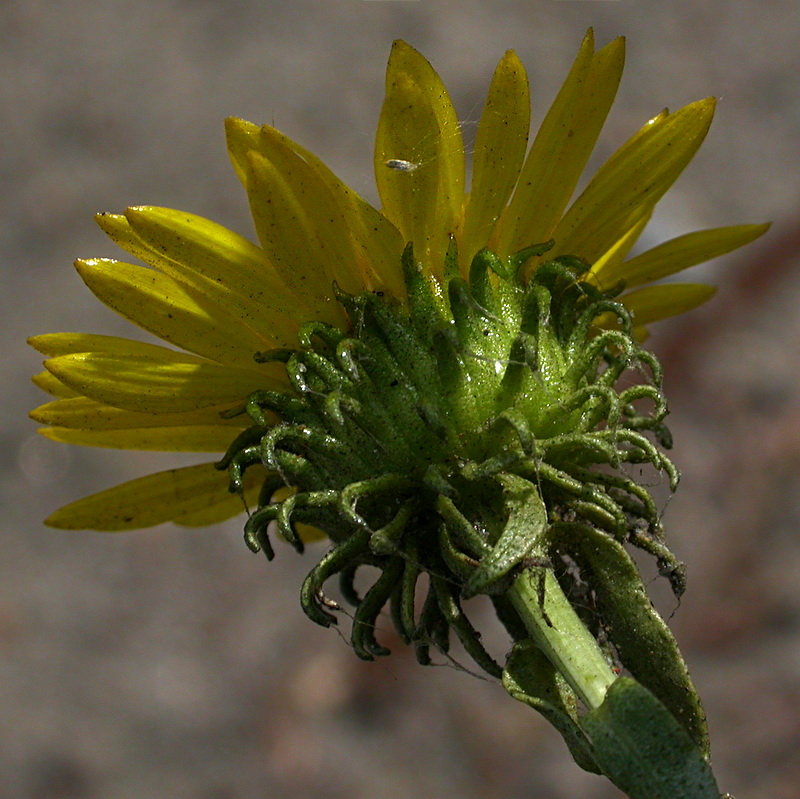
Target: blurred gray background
x,y
174,663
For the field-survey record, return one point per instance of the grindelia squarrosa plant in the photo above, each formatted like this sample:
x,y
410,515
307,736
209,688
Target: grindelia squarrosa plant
x,y
451,390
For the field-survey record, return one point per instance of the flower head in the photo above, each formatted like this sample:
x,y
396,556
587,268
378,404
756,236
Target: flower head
x,y
434,384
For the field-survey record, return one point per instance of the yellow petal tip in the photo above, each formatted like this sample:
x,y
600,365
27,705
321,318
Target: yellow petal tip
x,y
57,521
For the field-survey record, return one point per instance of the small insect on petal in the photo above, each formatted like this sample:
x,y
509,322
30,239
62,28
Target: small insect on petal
x,y
400,165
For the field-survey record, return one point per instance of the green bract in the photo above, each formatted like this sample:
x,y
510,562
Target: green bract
x,y
454,437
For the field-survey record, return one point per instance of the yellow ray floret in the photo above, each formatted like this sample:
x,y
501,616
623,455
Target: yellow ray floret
x,y
180,495
562,147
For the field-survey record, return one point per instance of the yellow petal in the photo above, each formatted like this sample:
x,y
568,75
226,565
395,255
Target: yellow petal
x,y
51,344
229,506
320,220
219,262
638,175
168,385
119,230
271,315
172,310
146,501
285,223
563,145
192,438
418,130
232,505
500,146
216,514
52,385
654,303
649,125
370,246
685,251
85,414
605,272
242,138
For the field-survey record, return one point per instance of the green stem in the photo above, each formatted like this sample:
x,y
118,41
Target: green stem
x,y
561,635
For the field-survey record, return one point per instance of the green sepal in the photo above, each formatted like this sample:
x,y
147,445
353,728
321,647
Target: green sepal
x,y
483,262
280,354
470,318
247,438
402,341
449,361
523,359
521,536
308,331
385,540
560,273
642,639
535,309
497,297
529,677
536,326
460,527
424,300
643,750
480,341
398,368
518,259
459,563
451,266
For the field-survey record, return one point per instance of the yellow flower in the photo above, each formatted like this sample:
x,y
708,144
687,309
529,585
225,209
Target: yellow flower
x,y
220,299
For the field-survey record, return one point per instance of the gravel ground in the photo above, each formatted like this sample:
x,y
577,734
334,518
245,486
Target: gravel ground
x,y
172,663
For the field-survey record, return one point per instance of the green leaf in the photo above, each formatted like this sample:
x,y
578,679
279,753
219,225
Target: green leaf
x,y
643,750
529,677
527,519
642,639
